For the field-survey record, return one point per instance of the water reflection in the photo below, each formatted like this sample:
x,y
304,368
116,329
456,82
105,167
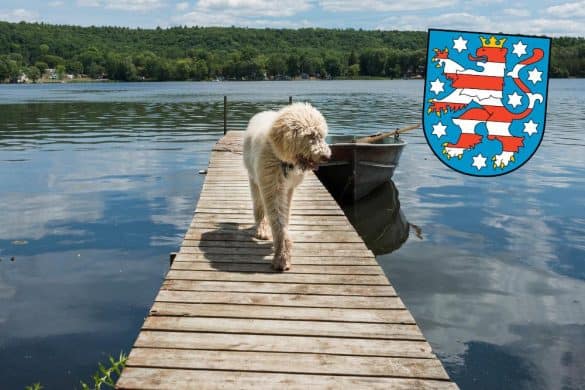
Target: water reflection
x,y
379,220
499,275
101,182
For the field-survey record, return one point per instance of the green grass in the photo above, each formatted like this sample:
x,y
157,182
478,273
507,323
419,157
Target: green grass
x,y
104,378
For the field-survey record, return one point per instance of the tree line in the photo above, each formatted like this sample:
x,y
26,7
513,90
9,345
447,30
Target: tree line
x,y
196,53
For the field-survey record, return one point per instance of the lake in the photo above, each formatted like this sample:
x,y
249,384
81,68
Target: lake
x,y
98,183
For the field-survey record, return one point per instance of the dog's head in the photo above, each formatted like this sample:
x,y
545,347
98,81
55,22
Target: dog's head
x,y
298,136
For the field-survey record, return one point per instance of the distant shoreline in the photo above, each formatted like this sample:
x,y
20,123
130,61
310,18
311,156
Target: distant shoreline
x,y
193,53
88,81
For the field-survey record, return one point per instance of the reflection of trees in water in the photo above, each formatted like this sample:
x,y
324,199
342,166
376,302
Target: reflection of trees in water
x,y
379,221
98,122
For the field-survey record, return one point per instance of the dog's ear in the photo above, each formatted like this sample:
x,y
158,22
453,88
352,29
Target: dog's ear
x,y
281,137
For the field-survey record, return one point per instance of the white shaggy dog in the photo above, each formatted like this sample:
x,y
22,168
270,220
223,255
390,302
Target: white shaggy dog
x,y
279,146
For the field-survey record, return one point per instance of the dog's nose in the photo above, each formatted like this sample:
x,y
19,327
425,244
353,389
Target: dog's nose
x,y
325,158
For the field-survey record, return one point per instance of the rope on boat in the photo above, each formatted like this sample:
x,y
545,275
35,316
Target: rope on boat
x,y
380,136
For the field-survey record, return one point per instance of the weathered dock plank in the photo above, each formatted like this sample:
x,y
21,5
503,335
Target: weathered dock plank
x,y
224,319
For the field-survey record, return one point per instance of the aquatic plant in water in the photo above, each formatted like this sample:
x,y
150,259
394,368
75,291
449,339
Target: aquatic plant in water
x,y
107,376
104,376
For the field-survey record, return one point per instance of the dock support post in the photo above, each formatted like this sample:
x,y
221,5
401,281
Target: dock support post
x,y
290,100
172,256
224,115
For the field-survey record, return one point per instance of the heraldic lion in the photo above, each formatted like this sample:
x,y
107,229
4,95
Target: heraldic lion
x,y
279,146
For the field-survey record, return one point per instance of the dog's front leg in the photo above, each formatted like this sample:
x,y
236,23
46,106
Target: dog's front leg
x,y
289,195
276,203
261,223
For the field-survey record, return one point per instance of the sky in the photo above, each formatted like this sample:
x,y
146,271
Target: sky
x,y
553,18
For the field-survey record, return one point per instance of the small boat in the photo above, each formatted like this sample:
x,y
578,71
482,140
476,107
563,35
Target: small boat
x,y
356,169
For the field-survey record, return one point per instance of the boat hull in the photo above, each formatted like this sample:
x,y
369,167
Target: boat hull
x,y
356,169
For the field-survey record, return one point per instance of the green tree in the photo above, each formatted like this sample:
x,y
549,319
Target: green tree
x,y
396,72
44,49
165,71
293,65
120,68
13,70
74,67
333,66
199,70
90,56
43,66
33,73
152,67
261,63
276,65
372,62
60,69
248,53
53,61
159,54
353,58
4,70
183,69
310,64
353,70
16,57
95,71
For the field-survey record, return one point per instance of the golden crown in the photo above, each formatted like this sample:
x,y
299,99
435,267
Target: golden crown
x,y
492,42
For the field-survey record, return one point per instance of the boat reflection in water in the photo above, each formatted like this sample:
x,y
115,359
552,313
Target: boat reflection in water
x,y
378,219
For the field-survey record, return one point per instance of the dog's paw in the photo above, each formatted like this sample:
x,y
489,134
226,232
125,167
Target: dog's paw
x,y
281,263
261,235
262,231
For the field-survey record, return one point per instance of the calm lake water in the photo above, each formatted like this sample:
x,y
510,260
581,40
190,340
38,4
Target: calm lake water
x,y
98,183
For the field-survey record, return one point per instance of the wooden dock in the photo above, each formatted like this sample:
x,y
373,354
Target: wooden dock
x,y
224,319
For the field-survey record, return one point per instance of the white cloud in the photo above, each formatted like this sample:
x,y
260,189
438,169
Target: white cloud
x,y
18,15
464,21
248,13
34,214
88,3
469,21
271,8
230,19
381,5
556,27
485,2
134,5
182,6
517,12
124,5
568,10
459,20
55,4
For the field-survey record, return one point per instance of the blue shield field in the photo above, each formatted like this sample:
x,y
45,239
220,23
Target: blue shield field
x,y
485,99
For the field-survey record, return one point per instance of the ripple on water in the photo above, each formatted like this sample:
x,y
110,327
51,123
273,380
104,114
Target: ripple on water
x,y
101,181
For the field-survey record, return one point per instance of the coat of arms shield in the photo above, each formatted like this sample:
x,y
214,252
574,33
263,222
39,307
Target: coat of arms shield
x,y
485,99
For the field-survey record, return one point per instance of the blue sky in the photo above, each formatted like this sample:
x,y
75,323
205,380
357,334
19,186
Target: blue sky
x,y
553,18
